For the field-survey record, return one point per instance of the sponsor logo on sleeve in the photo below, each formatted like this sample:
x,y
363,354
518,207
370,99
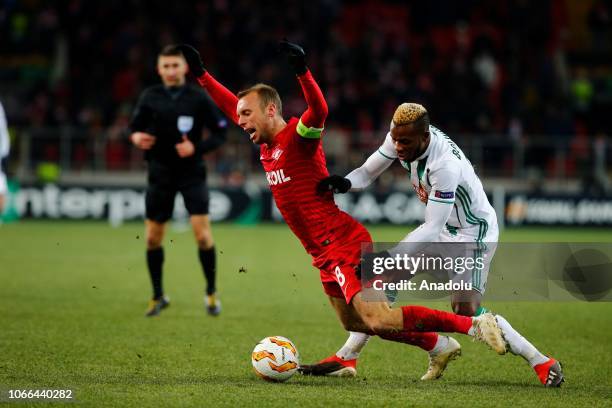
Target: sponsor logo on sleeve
x,y
445,195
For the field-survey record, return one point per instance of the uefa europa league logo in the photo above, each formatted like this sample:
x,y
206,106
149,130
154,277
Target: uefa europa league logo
x,y
184,124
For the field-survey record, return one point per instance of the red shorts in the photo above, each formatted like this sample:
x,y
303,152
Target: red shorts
x,y
338,270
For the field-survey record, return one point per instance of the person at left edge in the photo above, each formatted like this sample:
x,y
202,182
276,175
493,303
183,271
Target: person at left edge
x,y
168,124
4,152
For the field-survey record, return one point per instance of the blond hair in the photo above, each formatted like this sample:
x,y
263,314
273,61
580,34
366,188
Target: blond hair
x,y
411,114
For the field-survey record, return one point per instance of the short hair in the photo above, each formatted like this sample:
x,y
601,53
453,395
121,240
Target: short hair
x,y
411,114
171,50
267,95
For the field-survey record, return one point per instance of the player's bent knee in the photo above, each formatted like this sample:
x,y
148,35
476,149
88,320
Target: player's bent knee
x,y
466,303
465,308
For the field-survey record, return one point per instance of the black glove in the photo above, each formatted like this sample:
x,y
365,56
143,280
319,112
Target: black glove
x,y
335,183
295,56
366,265
192,56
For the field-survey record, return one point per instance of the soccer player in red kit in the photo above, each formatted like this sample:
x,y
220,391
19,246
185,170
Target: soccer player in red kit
x,y
292,156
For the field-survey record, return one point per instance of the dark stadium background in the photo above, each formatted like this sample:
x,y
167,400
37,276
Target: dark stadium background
x,y
524,87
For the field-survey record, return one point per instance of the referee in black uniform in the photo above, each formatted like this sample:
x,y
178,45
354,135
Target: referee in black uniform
x,y
167,124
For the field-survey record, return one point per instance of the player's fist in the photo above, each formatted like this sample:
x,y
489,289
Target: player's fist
x,y
192,56
185,148
366,267
335,183
143,140
295,56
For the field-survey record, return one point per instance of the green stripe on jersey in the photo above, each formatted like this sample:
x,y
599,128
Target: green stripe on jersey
x,y
308,132
469,217
464,191
384,155
421,167
466,201
441,201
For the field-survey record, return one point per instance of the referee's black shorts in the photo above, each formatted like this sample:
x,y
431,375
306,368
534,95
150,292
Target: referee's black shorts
x,y
162,189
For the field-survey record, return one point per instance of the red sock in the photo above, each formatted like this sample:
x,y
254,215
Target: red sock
x,y
424,340
423,319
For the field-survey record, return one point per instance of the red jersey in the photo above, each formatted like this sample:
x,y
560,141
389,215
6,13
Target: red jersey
x,y
294,164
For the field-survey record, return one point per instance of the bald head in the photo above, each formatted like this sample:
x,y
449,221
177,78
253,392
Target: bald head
x,y
411,114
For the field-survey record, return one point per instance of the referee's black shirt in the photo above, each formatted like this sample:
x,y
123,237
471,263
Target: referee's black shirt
x,y
159,112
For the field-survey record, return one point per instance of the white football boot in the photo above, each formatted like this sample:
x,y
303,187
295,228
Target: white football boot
x,y
438,361
486,330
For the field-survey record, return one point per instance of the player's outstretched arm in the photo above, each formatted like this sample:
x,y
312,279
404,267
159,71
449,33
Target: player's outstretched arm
x,y
312,120
358,179
436,215
335,183
439,208
363,176
373,167
223,97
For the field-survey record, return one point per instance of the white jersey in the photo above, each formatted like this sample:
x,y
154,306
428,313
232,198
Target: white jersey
x,y
457,209
443,178
4,148
444,174
4,135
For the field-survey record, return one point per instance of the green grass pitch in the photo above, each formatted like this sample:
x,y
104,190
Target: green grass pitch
x,y
72,297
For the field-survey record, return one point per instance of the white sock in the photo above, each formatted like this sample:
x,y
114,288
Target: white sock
x,y
519,345
351,349
472,330
441,344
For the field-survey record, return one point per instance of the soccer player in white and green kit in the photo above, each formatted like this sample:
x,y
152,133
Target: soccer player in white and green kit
x,y
457,211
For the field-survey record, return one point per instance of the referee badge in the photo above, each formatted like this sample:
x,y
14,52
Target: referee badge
x,y
184,124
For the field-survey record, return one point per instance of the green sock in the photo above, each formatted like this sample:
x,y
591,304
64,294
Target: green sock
x,y
481,310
